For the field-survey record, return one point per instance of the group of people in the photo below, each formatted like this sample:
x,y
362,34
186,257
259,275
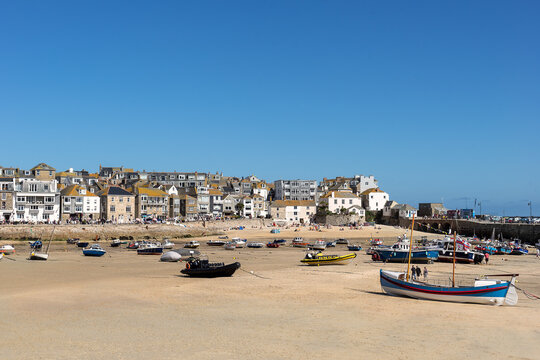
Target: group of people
x,y
416,272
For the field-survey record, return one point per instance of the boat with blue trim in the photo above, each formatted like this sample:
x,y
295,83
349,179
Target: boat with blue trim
x,y
94,250
399,252
149,248
463,254
484,290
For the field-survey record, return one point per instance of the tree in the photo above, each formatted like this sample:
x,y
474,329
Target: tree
x,y
239,208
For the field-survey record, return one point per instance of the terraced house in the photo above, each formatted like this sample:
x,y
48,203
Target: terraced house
x,y
152,203
77,203
36,200
117,205
6,199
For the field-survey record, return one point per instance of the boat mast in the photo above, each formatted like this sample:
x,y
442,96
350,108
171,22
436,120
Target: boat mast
x,y
454,263
410,249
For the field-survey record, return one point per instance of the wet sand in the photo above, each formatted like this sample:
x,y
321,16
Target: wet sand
x,y
128,306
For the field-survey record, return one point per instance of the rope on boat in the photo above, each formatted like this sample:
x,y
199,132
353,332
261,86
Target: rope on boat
x,y
528,294
252,273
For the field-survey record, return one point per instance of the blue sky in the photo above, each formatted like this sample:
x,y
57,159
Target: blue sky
x,y
437,100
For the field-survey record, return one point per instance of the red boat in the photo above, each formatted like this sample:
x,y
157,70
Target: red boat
x,y
272,245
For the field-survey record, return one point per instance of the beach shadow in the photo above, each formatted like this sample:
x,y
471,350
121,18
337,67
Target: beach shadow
x,y
368,292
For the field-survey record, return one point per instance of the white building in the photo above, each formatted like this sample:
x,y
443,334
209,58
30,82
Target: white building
x,y
406,211
337,200
36,200
77,203
374,199
293,211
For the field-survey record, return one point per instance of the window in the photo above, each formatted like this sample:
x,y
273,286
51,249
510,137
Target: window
x,y
21,199
128,208
121,199
112,208
49,199
45,216
46,187
4,196
32,187
343,201
3,205
296,213
350,201
78,208
49,207
335,202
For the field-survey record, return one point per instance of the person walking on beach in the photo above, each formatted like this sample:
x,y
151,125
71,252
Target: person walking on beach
x,y
413,270
486,256
425,273
418,272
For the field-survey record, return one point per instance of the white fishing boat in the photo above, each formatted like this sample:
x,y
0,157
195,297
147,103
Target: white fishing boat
x,y
7,249
318,245
192,244
167,244
240,243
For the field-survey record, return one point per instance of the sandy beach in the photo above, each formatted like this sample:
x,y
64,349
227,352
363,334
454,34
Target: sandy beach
x,y
125,306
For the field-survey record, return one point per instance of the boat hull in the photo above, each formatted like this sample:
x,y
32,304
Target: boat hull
x,y
417,256
490,294
95,253
150,251
38,256
461,257
212,272
329,260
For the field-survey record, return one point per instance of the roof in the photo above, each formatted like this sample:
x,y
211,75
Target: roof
x,y
293,203
214,192
369,191
43,166
339,194
114,190
407,207
150,192
73,190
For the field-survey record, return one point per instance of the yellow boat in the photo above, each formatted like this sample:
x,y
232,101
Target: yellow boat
x,y
320,259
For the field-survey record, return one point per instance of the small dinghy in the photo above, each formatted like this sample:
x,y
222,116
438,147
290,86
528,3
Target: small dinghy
x,y
255,245
134,245
36,245
82,244
72,240
167,244
94,250
192,244
229,246
272,245
318,245
170,256
320,259
342,241
116,243
205,269
215,243
7,249
354,247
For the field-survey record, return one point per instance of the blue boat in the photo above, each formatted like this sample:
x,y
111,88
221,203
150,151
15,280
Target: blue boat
x,y
503,250
484,291
399,252
518,250
275,231
94,250
354,247
36,245
149,249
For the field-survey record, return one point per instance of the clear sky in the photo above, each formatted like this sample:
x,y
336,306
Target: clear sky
x,y
438,100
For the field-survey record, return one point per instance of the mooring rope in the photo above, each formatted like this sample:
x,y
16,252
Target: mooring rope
x,y
528,294
252,273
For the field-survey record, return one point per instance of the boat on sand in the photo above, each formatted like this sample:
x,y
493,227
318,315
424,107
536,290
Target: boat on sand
x,y
206,269
320,259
